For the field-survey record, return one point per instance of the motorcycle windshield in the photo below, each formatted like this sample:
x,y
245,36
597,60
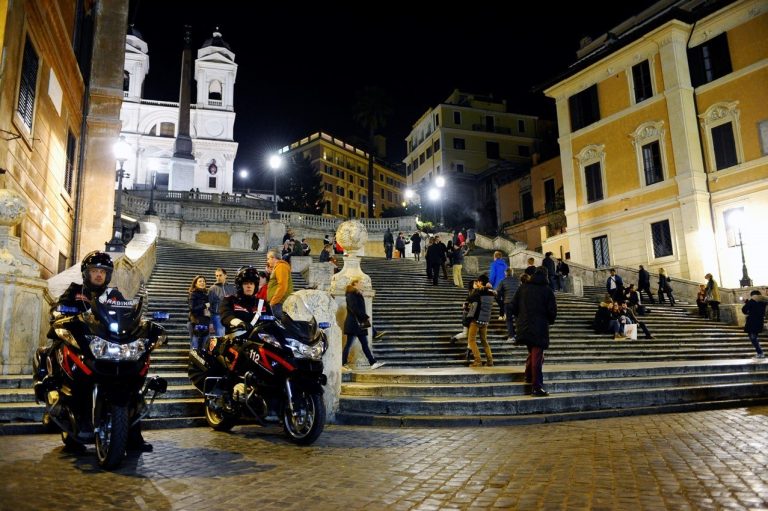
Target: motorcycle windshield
x,y
302,331
116,321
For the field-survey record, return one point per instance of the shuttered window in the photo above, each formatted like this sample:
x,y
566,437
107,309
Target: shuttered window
x,y
28,84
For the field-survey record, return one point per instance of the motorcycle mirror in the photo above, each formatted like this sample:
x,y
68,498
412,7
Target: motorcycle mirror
x,y
160,316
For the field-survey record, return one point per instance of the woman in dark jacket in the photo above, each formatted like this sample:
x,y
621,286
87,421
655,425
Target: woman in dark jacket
x,y
535,308
754,308
665,288
199,314
357,323
416,245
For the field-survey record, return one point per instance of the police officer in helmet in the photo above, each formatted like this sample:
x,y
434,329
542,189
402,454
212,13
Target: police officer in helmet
x,y
240,308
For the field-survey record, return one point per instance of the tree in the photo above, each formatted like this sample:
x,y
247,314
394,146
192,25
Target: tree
x,y
301,189
373,107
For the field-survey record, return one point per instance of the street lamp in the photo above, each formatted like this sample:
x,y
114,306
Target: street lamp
x,y
434,195
440,182
243,173
151,211
275,162
122,150
735,220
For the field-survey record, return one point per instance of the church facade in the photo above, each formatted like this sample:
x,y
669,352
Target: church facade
x,y
151,126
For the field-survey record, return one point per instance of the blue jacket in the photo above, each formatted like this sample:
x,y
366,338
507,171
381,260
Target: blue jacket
x,y
498,267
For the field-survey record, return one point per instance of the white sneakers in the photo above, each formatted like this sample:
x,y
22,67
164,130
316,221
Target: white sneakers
x,y
376,365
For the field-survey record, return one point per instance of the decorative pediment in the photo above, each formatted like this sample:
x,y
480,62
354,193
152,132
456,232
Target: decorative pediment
x,y
719,111
647,131
591,152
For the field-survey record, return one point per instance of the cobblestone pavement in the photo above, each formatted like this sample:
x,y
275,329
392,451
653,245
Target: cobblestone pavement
x,y
703,460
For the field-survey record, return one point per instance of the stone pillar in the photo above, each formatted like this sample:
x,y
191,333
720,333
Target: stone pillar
x,y
103,117
274,230
302,306
23,294
319,275
352,235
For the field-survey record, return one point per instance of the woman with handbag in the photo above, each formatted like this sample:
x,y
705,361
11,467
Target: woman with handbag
x,y
357,323
713,296
665,288
199,313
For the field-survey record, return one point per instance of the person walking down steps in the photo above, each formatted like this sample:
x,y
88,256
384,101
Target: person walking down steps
x,y
357,323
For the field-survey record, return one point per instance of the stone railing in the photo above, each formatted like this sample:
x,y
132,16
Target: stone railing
x,y
499,243
177,206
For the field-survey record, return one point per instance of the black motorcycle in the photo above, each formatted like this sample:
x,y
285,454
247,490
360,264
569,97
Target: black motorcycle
x,y
93,378
271,372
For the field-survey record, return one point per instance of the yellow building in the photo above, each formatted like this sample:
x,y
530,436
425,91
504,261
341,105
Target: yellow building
x,y
344,169
58,161
531,206
461,139
663,127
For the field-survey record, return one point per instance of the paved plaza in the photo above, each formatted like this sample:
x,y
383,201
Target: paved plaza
x,y
702,460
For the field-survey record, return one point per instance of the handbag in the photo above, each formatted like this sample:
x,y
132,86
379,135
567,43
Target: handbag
x,y
630,331
366,323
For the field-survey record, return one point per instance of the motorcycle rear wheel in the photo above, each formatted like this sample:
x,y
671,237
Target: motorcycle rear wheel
x,y
219,421
112,436
305,426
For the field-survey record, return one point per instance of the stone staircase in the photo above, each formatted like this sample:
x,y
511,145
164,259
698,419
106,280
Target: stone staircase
x,y
692,363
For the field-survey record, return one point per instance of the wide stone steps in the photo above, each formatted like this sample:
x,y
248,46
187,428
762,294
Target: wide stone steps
x,y
498,395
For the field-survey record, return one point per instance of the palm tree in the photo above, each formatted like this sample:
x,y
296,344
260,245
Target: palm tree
x,y
373,107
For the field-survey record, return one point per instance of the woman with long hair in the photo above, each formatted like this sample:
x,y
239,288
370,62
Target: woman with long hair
x,y
199,312
357,323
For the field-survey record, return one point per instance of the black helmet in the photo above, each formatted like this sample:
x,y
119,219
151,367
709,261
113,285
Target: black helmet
x,y
96,259
246,274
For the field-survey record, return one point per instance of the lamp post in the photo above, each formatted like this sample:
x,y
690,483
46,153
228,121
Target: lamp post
x,y
735,219
440,182
122,152
275,162
434,196
151,211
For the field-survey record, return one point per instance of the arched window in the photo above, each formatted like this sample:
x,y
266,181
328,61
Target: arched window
x,y
167,129
214,90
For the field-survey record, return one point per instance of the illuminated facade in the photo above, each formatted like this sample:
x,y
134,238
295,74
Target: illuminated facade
x,y
344,169
663,127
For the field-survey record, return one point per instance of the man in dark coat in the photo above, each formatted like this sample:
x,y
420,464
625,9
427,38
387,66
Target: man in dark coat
x,y
615,286
389,243
754,308
644,283
549,264
535,308
435,256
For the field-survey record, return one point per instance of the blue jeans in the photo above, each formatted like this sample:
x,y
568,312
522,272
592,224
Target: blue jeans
x,y
363,343
218,328
277,310
756,343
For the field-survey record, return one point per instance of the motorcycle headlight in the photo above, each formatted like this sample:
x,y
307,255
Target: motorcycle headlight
x,y
300,350
106,350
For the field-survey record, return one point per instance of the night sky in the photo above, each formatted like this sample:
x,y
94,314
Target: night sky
x,y
300,65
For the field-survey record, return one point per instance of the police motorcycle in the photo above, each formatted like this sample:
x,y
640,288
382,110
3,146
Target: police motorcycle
x,y
270,370
93,378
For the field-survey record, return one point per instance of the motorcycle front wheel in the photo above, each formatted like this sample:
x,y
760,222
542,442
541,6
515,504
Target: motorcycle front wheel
x,y
308,420
111,435
219,420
